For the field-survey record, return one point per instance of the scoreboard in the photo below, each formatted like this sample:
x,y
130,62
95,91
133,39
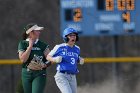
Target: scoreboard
x,y
101,17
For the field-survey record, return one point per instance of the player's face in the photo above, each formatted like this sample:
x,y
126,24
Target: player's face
x,y
72,38
35,34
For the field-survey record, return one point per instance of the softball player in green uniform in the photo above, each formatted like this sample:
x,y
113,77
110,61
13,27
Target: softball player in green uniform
x,y
32,52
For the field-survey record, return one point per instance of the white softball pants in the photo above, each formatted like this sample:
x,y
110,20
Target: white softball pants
x,y
66,82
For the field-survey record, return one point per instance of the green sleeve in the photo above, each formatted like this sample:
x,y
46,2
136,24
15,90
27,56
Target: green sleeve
x,y
22,46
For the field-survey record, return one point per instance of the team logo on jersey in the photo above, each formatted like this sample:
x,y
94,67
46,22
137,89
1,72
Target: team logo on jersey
x,y
67,53
36,48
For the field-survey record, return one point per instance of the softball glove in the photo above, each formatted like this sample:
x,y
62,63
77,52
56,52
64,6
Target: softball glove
x,y
36,65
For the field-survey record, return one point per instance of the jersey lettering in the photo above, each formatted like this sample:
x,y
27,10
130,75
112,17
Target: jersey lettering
x,y
66,53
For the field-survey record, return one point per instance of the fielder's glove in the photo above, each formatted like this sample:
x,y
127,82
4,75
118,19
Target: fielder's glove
x,y
36,65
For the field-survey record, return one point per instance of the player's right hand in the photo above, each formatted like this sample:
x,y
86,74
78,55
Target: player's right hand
x,y
31,42
57,59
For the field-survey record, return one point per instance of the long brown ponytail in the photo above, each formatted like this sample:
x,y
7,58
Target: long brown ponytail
x,y
24,36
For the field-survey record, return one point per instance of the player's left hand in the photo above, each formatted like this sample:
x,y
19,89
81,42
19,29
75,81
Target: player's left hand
x,y
81,61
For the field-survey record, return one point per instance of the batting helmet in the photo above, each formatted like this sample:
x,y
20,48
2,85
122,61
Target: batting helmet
x,y
68,31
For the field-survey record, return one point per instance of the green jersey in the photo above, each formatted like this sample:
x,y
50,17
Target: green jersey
x,y
37,51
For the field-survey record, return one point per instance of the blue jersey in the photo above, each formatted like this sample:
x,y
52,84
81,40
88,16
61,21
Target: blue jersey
x,y
70,57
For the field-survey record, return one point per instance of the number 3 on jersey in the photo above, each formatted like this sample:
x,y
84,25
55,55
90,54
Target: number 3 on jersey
x,y
72,61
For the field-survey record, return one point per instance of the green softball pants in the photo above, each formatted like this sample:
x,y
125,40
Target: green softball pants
x,y
33,81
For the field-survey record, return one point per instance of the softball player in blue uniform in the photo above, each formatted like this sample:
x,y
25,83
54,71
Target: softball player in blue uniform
x,y
67,55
